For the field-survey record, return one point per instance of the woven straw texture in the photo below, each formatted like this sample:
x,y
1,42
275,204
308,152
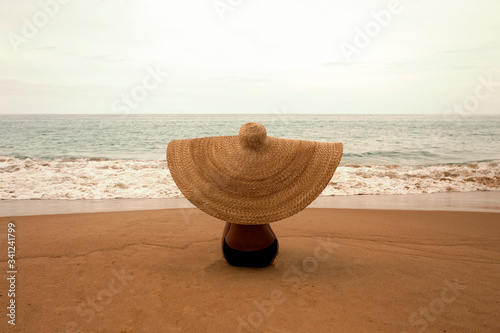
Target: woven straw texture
x,y
252,178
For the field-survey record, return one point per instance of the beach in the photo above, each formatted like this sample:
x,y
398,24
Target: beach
x,y
367,132
337,270
404,238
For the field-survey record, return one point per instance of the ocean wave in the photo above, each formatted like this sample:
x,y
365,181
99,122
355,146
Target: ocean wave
x,y
95,178
401,179
411,157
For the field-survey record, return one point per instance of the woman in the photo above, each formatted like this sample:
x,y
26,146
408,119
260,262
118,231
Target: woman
x,y
249,245
250,180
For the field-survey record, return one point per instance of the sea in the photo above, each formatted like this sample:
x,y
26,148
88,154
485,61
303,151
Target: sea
x,y
123,156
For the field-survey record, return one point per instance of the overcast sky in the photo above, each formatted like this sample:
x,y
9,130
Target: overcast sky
x,y
249,56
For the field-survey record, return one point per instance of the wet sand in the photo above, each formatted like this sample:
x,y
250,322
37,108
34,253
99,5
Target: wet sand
x,y
338,270
450,201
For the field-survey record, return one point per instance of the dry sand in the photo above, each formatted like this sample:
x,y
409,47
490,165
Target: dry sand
x,y
337,271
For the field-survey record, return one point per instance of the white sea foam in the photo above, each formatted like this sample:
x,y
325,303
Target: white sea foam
x,y
105,179
84,179
397,179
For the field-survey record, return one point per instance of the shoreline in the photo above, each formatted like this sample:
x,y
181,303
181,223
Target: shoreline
x,y
455,201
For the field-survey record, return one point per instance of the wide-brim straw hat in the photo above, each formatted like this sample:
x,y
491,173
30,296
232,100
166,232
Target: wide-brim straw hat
x,y
252,178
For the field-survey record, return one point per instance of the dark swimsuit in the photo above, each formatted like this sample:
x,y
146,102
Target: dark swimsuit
x,y
259,258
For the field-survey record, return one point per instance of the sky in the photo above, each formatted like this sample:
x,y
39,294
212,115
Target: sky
x,y
249,56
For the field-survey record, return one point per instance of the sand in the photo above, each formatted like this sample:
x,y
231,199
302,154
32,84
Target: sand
x,y
338,270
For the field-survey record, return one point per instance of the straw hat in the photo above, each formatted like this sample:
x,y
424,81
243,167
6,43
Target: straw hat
x,y
252,178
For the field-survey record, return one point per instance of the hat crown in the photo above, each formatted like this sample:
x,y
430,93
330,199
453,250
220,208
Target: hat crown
x,y
253,135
